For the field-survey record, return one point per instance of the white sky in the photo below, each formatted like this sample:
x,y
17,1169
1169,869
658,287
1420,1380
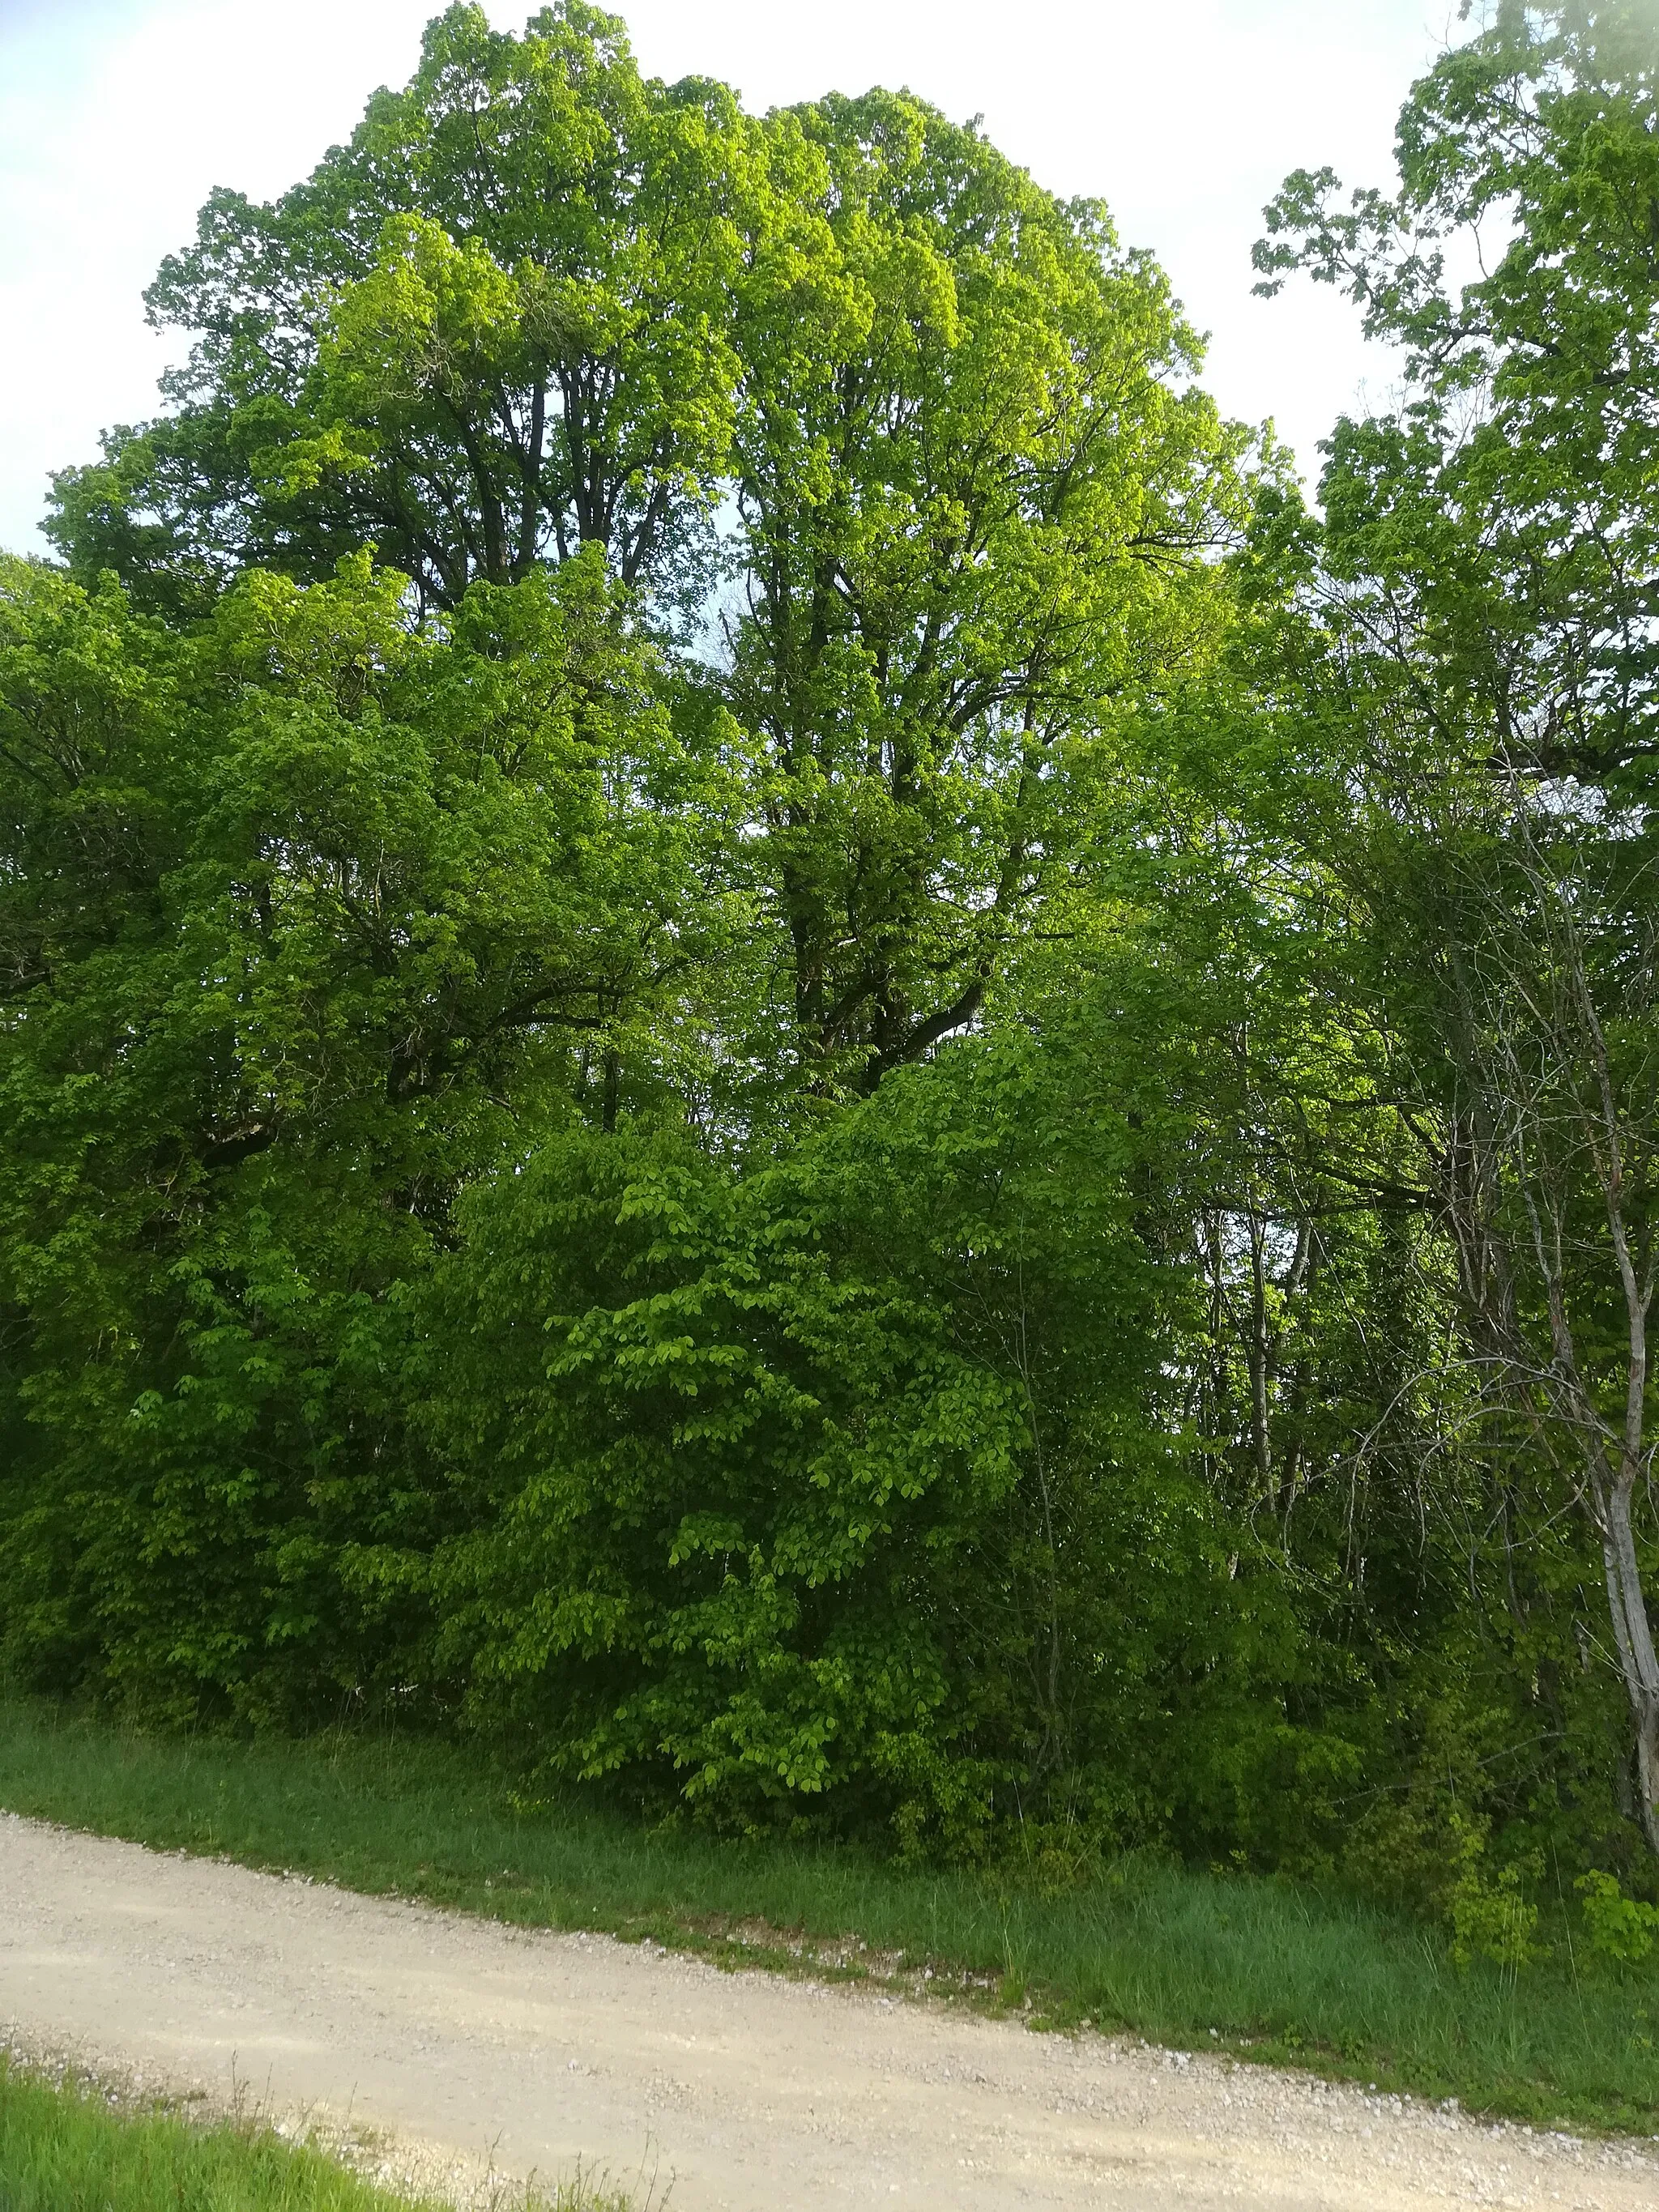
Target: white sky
x,y
117,116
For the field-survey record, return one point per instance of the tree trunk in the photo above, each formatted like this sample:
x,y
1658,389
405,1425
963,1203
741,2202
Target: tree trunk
x,y
1633,1633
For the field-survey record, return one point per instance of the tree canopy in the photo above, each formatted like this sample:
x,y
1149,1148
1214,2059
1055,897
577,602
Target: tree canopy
x,y
760,1028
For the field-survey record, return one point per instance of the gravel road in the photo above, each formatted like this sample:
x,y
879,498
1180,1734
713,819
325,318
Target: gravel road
x,y
458,2042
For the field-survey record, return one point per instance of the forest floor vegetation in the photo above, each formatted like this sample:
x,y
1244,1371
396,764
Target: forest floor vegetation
x,y
1209,1960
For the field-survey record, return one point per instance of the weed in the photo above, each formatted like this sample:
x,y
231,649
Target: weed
x,y
76,2145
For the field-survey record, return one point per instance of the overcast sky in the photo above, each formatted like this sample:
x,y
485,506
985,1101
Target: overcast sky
x,y
117,117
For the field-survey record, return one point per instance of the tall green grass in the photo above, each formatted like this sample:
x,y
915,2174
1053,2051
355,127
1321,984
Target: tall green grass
x,y
64,2148
1199,1960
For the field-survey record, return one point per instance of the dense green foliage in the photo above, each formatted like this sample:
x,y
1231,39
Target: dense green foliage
x,y
1197,1958
759,1031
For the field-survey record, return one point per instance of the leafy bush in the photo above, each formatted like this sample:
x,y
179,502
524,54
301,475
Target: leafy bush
x,y
782,1485
1619,1927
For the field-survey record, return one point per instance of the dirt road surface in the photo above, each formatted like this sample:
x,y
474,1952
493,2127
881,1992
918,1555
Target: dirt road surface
x,y
458,2041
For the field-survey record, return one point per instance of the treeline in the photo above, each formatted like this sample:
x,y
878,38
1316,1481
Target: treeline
x,y
760,1030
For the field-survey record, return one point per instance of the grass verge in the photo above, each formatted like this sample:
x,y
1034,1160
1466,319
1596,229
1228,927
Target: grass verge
x,y
69,2147
1261,1968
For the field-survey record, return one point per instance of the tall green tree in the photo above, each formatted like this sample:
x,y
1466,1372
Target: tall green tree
x,y
1484,662
492,329
307,915
978,499
929,437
